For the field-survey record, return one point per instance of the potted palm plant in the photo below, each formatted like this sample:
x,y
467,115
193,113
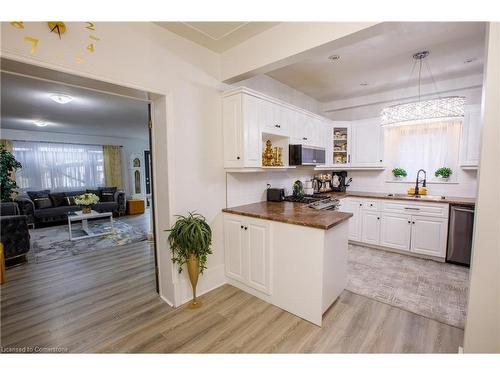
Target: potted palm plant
x,y
190,239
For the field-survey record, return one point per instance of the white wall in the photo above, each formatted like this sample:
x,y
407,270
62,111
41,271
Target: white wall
x,y
147,57
130,146
276,89
482,328
246,188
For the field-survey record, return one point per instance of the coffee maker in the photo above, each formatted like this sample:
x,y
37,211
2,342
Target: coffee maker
x,y
339,182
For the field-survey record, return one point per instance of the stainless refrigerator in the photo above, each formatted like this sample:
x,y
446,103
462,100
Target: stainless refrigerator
x,y
460,232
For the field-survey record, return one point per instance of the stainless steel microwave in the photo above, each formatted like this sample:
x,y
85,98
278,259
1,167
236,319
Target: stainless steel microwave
x,y
305,155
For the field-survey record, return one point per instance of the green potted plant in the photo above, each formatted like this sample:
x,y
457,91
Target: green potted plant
x,y
399,173
8,166
443,173
190,239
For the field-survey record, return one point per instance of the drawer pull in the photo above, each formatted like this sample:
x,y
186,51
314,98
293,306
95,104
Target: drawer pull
x,y
412,208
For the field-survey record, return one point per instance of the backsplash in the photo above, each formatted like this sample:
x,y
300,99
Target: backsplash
x,y
246,188
465,184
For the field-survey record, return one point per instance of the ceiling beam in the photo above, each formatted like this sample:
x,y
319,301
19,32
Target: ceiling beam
x,y
288,43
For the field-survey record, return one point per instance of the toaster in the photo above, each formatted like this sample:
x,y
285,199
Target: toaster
x,y
275,194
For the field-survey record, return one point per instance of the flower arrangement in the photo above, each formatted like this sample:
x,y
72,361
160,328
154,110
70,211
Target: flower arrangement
x,y
85,201
443,172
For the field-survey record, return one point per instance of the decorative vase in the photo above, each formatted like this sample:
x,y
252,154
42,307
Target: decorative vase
x,y
193,266
86,209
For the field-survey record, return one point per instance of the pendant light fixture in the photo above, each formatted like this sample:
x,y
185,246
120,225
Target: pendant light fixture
x,y
424,111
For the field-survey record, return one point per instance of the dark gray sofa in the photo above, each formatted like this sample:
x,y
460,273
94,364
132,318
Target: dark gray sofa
x,y
59,212
15,235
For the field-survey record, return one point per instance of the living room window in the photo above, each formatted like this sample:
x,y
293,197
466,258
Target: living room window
x,y
58,166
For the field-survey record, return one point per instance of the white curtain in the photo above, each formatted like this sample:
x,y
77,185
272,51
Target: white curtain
x,y
426,146
58,166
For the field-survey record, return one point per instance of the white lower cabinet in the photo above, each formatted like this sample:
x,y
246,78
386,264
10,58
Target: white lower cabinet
x,y
429,235
395,231
371,227
247,251
353,206
419,228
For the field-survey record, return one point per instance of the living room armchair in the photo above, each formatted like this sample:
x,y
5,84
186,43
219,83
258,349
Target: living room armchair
x,y
14,235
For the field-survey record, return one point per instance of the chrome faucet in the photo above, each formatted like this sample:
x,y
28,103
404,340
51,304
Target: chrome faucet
x,y
417,181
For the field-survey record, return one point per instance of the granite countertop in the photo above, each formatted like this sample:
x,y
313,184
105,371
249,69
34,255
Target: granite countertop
x,y
291,213
423,198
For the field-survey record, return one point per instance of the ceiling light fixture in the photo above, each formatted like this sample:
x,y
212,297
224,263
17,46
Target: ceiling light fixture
x,y
440,109
334,57
61,98
40,123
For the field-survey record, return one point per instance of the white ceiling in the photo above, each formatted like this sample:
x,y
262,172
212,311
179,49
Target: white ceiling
x,y
217,36
24,99
384,60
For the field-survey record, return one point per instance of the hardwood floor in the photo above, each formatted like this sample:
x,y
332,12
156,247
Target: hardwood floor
x,y
106,302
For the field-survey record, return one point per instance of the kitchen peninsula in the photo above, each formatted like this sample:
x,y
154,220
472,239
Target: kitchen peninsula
x,y
287,254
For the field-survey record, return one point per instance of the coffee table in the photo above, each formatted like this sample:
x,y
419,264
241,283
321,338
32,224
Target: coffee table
x,y
80,216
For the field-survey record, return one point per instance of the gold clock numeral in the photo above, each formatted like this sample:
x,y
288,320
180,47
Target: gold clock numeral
x,y
18,24
94,38
90,26
91,47
34,43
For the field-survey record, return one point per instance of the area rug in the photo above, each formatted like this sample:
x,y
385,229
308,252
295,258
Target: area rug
x,y
425,287
53,242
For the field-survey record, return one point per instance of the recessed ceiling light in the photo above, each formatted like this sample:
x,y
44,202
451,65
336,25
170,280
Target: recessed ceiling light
x,y
61,98
364,84
469,60
40,123
334,57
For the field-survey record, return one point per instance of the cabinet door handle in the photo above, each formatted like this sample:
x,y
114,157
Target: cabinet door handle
x,y
246,228
378,218
242,227
304,138
361,205
409,222
237,158
371,204
277,126
412,208
349,158
381,160
413,222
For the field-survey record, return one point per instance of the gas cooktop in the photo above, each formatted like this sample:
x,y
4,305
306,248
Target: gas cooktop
x,y
305,198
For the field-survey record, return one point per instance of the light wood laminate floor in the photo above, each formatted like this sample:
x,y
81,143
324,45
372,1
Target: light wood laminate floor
x,y
106,302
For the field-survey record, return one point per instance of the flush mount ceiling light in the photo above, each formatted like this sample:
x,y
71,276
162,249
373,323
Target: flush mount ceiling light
x,y
421,111
334,57
61,98
40,123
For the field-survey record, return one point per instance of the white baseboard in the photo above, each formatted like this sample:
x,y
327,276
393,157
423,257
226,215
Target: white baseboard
x,y
167,301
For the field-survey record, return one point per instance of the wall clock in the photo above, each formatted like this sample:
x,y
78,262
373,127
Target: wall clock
x,y
33,37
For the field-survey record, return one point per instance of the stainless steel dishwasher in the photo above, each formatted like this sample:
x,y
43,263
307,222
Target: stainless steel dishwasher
x,y
460,232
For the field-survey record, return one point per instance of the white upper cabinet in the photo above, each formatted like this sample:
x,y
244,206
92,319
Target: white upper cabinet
x,y
249,117
366,143
276,119
341,144
471,138
241,119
